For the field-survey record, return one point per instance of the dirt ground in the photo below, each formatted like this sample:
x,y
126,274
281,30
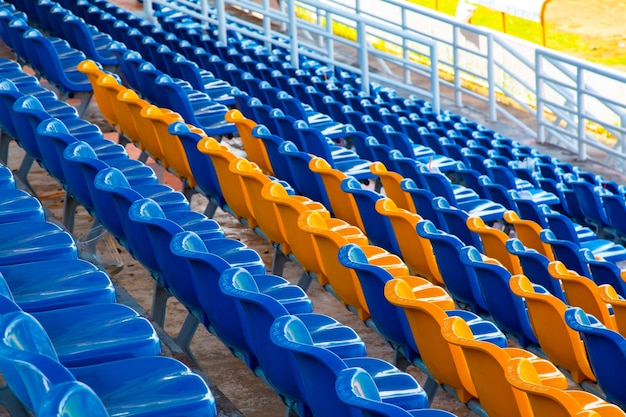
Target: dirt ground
x,y
598,23
598,20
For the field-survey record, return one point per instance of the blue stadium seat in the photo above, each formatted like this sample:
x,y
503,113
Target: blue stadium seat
x,y
455,222
357,389
260,308
92,333
323,366
605,350
202,112
71,398
31,367
460,280
535,267
389,320
508,310
69,282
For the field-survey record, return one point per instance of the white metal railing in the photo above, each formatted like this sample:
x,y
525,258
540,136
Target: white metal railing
x,y
571,102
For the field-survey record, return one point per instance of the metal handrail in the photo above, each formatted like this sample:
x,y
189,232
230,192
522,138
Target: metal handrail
x,y
562,94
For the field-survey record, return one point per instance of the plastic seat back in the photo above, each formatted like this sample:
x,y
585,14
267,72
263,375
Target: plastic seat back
x,y
558,341
549,401
494,244
80,167
415,250
390,320
259,312
439,185
343,281
9,93
615,208
150,138
128,110
487,364
605,350
52,138
255,151
343,205
377,228
112,196
459,279
561,226
175,157
443,360
567,252
104,100
590,203
618,305
313,364
289,210
422,200
308,183
230,183
528,232
535,267
54,70
27,113
272,142
390,182
356,388
605,272
70,399
203,271
455,221
582,292
266,213
29,363
507,309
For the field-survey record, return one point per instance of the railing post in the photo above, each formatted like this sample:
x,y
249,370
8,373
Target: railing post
x,y
361,33
434,87
406,53
293,33
319,22
581,114
204,7
221,20
539,93
458,93
330,43
267,23
147,8
622,142
491,93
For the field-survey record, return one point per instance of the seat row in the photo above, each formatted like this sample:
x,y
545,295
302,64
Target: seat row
x,y
51,58
537,161
67,344
111,191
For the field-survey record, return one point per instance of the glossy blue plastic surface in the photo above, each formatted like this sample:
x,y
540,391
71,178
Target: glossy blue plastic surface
x,y
319,368
356,388
460,280
71,399
68,282
535,267
152,386
507,309
263,298
606,350
390,320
